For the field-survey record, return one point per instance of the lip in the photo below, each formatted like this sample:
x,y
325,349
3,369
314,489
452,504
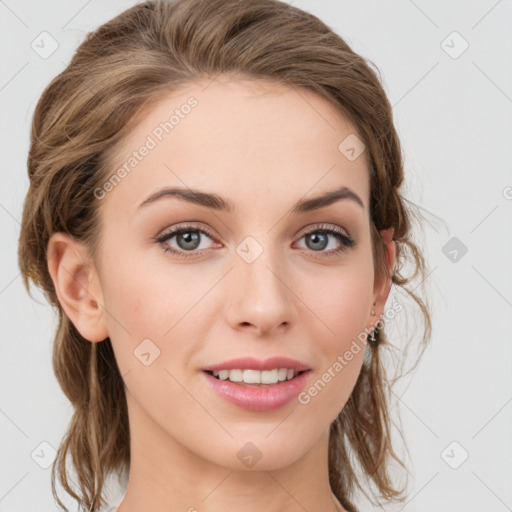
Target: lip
x,y
250,363
265,398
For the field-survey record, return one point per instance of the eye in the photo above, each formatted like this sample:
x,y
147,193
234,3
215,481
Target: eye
x,y
318,240
188,240
187,237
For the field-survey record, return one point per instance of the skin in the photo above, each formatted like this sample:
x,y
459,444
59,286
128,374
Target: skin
x,y
264,147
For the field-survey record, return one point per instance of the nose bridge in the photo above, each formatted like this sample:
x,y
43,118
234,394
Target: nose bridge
x,y
262,296
259,263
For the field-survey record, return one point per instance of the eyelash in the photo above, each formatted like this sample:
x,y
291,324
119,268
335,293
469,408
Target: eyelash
x,y
347,241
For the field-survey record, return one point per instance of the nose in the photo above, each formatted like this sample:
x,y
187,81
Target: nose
x,y
261,296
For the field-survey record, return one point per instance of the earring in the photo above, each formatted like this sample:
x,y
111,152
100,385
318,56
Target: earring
x,y
371,336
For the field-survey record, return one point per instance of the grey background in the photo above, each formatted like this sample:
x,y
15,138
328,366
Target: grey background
x,y
454,119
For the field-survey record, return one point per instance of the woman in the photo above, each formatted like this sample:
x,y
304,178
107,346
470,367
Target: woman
x,y
183,168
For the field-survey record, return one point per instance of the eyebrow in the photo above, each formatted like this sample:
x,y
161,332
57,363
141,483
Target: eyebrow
x,y
216,202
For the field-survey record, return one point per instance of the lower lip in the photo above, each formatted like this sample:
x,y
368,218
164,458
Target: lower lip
x,y
265,398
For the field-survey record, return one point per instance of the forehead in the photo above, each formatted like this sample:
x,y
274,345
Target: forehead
x,y
229,135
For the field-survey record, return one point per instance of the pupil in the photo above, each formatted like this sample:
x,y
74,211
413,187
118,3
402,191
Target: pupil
x,y
189,237
315,237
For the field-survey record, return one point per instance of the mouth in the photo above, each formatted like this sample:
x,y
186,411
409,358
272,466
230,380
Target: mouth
x,y
256,378
255,390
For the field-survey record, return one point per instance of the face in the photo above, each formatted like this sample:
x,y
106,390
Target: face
x,y
249,275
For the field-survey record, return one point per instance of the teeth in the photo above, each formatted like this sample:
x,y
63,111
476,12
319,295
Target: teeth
x,y
256,376
281,374
223,374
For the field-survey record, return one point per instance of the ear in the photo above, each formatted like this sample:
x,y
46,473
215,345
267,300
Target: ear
x,y
77,285
382,284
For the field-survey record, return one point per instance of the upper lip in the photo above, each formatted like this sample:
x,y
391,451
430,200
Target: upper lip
x,y
250,363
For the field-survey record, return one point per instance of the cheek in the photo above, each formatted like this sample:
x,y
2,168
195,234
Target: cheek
x,y
131,299
342,306
152,299
142,294
342,301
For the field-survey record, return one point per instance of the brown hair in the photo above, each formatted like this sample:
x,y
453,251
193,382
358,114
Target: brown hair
x,y
121,68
